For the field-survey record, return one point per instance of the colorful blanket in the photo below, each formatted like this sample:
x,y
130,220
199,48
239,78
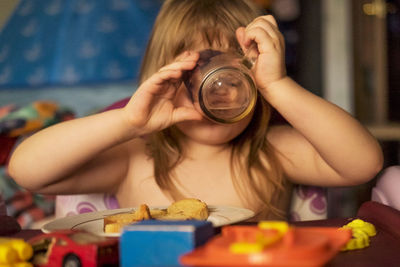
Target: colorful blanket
x,y
17,123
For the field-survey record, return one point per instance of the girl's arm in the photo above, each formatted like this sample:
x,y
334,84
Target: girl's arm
x,y
325,145
91,154
74,156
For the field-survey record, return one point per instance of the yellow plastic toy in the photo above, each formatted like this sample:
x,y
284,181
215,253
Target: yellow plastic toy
x,y
18,264
281,226
262,241
15,252
361,233
245,247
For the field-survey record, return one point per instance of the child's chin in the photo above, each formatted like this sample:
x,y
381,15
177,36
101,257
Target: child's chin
x,y
210,136
211,133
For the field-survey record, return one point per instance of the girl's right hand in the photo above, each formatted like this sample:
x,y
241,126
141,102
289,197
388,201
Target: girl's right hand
x,y
152,106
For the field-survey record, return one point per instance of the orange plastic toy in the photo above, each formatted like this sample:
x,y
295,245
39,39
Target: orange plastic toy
x,y
263,245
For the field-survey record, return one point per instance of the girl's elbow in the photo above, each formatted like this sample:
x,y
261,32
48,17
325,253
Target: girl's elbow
x,y
21,177
372,166
377,162
14,168
13,171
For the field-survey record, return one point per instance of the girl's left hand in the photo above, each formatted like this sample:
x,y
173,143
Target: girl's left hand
x,y
270,65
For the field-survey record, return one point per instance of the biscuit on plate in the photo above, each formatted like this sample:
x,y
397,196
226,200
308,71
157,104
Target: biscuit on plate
x,y
184,209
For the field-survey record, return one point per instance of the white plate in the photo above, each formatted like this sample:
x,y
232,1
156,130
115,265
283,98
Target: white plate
x,y
93,221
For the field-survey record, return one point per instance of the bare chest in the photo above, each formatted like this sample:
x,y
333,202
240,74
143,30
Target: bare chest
x,y
206,179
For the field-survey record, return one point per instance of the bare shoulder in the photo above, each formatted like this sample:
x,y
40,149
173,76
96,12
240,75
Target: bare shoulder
x,y
137,147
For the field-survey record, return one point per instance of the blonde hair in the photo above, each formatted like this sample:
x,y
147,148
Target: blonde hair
x,y
178,26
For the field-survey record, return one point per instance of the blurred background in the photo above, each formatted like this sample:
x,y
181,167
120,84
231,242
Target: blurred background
x,y
82,55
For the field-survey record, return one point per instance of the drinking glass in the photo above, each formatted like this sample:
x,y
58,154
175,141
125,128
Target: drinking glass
x,y
221,86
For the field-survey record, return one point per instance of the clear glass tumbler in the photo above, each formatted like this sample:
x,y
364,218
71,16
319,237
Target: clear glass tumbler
x,y
222,86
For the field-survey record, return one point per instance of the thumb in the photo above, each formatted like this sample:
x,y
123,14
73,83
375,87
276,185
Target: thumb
x,y
240,32
241,37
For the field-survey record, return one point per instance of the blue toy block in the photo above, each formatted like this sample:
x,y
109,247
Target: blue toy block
x,y
161,243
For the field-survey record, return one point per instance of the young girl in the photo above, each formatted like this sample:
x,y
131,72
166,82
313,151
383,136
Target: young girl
x,y
159,148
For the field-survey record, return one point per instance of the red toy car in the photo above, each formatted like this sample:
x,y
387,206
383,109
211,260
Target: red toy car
x,y
74,248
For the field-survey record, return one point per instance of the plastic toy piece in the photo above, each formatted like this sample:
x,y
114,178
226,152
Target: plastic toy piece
x,y
367,227
161,243
298,246
281,226
7,254
361,233
74,248
18,264
245,247
269,233
13,251
23,264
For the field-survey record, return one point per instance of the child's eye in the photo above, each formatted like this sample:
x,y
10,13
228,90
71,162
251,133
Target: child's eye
x,y
235,83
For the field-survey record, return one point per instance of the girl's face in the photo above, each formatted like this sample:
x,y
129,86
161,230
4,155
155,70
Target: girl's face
x,y
207,131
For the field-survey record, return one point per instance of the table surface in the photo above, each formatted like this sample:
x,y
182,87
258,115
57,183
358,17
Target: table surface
x,y
384,249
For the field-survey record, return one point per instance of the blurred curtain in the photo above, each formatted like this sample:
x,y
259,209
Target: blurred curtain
x,y
74,42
